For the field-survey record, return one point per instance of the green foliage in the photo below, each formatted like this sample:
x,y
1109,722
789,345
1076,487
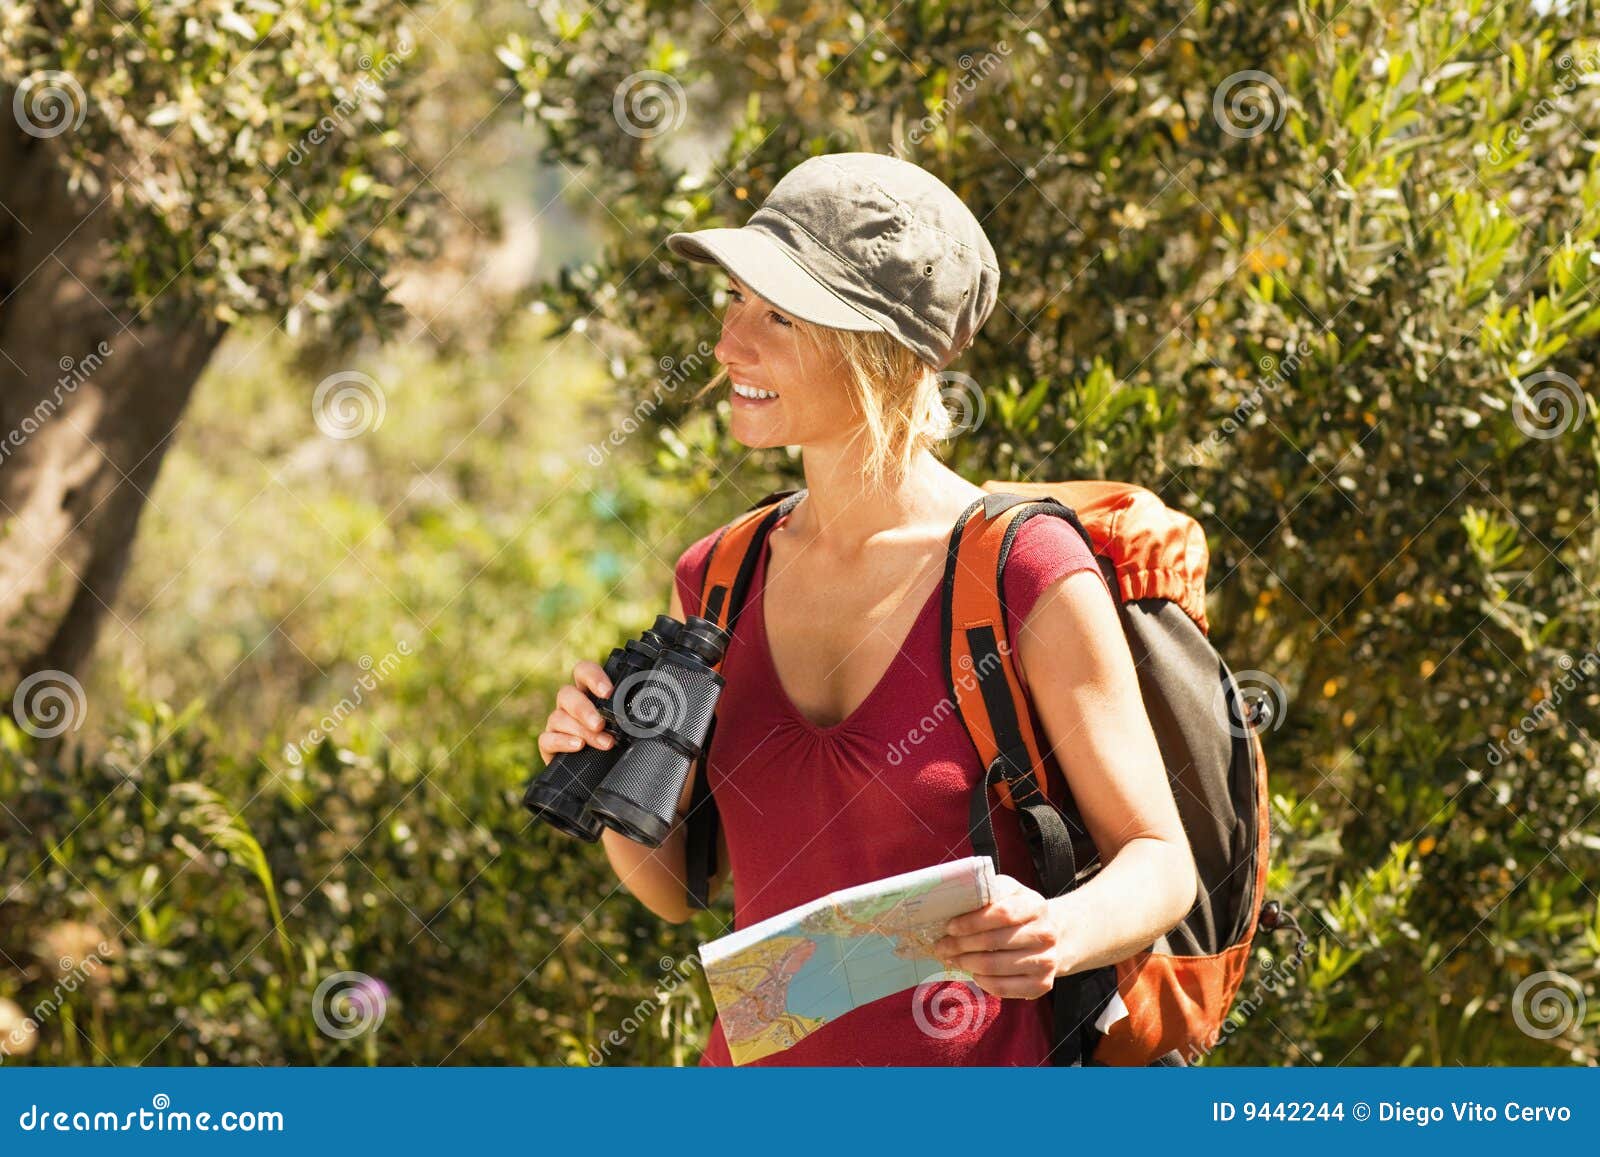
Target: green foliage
x,y
471,922
248,150
230,879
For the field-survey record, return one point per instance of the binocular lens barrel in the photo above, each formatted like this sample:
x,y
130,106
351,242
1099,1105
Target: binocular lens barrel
x,y
660,711
667,713
562,795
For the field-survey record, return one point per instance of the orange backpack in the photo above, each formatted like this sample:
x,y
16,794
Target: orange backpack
x,y
1177,991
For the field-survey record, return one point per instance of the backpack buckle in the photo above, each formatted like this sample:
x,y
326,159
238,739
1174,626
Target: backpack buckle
x,y
1019,778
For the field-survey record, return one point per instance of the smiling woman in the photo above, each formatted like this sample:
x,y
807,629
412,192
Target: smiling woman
x,y
891,397
850,290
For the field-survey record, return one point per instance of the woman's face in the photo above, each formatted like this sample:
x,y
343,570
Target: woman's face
x,y
763,351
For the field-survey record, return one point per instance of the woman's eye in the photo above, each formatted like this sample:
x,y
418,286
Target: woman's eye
x,y
735,296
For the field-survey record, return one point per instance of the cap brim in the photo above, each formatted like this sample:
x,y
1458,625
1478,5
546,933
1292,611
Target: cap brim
x,y
769,270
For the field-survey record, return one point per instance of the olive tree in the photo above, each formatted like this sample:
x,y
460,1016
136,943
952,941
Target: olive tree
x,y
166,169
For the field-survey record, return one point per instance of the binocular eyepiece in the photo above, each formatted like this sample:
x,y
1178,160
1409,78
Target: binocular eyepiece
x,y
663,699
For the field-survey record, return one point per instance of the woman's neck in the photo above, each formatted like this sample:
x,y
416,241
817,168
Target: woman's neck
x,y
840,515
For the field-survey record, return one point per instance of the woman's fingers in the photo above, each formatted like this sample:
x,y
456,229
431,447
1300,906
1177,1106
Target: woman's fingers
x,y
579,707
565,724
553,743
591,677
1020,962
989,940
562,734
574,722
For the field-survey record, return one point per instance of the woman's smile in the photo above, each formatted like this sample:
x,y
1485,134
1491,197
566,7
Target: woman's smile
x,y
751,396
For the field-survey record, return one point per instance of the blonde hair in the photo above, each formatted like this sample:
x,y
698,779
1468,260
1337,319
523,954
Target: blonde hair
x,y
897,395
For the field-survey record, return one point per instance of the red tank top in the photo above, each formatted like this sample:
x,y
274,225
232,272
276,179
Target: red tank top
x,y
807,810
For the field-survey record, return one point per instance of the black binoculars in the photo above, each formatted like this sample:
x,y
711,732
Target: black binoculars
x,y
664,691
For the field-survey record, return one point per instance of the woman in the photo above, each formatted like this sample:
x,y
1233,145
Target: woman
x,y
859,279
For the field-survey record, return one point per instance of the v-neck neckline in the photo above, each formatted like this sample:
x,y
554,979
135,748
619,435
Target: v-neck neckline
x,y
759,602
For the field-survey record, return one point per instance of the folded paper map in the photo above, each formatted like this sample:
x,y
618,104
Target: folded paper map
x,y
782,979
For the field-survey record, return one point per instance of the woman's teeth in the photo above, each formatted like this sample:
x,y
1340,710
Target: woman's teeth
x,y
751,392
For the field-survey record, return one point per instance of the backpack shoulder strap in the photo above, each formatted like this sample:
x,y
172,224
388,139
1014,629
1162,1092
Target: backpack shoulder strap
x,y
734,554
980,662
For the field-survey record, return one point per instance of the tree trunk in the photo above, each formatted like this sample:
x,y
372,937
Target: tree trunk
x,y
90,397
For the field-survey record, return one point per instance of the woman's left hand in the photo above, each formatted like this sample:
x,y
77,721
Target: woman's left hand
x,y
1013,946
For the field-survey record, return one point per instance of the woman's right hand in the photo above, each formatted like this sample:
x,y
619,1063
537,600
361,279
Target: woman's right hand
x,y
576,721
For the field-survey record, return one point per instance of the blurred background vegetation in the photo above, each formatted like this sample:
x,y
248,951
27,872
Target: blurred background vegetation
x,y
1323,275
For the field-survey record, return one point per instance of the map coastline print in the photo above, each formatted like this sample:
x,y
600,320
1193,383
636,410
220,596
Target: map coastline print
x,y
780,980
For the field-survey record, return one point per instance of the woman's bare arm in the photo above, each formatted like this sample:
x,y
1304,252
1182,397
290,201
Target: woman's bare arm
x,y
1085,692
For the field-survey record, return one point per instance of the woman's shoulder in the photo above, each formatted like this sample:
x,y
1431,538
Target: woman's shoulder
x,y
1046,550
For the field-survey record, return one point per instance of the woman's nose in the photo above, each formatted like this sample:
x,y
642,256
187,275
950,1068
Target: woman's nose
x,y
731,348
